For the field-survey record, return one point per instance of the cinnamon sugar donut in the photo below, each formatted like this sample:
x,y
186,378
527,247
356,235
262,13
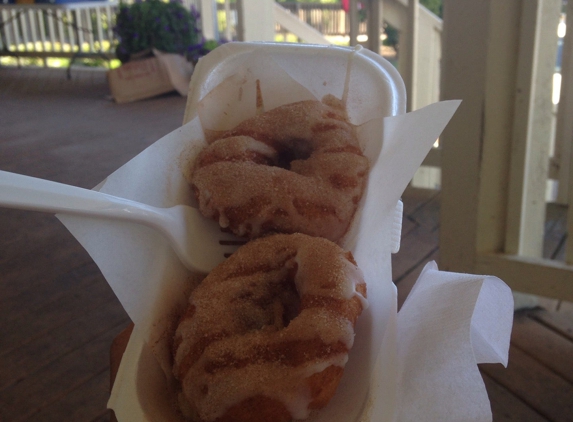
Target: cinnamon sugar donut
x,y
296,168
266,335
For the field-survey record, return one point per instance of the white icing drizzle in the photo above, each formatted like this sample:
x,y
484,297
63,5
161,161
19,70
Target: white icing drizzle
x,y
250,362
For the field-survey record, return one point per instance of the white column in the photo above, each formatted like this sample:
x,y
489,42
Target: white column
x,y
209,25
256,20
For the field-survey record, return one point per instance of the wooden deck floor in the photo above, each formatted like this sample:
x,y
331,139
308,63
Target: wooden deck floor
x,y
58,315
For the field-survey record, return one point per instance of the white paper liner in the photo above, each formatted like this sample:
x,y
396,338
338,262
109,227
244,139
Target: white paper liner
x,y
153,285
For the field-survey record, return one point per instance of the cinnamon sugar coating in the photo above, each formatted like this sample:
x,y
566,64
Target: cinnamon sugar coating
x,y
267,333
296,168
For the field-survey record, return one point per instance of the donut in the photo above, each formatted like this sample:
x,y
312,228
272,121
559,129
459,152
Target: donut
x,y
296,168
266,335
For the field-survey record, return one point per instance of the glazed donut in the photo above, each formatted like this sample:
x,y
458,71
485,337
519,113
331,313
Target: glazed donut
x,y
266,334
296,168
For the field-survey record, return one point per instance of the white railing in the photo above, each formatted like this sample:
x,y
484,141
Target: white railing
x,y
83,29
497,149
67,30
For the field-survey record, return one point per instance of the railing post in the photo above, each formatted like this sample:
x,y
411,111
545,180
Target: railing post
x,y
463,77
498,111
410,42
256,20
374,25
532,127
565,121
209,25
353,21
564,129
228,35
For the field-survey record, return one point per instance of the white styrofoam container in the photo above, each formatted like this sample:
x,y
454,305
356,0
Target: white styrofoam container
x,y
372,88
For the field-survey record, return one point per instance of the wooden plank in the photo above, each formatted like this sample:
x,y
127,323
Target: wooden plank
x,y
116,352
27,397
106,417
23,361
408,224
419,245
561,322
409,278
532,127
89,294
44,254
427,213
536,276
506,407
86,403
415,198
414,248
541,389
544,345
555,232
37,263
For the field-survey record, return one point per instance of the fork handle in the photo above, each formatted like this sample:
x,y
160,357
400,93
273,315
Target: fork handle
x,y
30,193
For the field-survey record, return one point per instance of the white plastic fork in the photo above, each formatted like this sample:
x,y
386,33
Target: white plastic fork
x,y
198,242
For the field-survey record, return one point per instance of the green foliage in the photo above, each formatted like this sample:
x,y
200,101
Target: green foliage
x,y
434,6
165,26
392,36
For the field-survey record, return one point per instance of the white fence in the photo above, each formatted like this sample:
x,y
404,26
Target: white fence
x,y
43,30
83,29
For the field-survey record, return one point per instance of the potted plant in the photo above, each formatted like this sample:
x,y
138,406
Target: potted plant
x,y
155,24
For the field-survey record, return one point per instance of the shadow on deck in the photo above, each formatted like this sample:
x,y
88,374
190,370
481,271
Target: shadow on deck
x,y
59,316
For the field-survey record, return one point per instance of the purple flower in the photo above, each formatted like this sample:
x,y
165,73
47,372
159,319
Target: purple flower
x,y
195,13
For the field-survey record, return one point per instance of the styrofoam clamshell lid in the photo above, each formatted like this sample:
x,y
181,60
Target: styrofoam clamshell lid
x,y
372,87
